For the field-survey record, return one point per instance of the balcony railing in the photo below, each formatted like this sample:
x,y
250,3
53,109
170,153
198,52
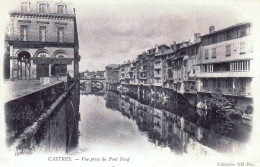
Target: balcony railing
x,y
32,38
227,91
225,74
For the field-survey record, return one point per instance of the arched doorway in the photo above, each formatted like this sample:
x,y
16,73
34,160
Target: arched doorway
x,y
42,67
59,69
24,65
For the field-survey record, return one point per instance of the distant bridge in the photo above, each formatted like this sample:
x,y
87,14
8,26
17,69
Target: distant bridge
x,y
92,85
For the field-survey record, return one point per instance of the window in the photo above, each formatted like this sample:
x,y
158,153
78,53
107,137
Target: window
x,y
43,54
229,84
218,83
222,36
24,33
60,55
206,54
214,39
42,33
242,48
42,7
240,66
60,34
228,50
210,40
210,68
24,7
242,32
214,52
234,34
228,35
205,83
248,31
60,9
58,69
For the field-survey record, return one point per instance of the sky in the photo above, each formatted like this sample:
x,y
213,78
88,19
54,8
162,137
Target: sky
x,y
114,31
111,32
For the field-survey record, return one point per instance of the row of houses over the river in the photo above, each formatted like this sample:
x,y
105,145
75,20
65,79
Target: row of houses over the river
x,y
217,61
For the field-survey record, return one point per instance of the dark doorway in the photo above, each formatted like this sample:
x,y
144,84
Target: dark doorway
x,y
58,70
24,65
42,70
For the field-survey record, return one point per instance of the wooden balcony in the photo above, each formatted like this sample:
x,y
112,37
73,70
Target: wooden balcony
x,y
227,91
35,41
225,74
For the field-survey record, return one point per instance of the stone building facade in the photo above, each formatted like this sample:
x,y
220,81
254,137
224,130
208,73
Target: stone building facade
x,y
43,40
112,74
217,62
224,61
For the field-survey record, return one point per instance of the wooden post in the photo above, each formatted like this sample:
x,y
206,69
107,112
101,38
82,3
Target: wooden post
x,y
30,69
25,66
21,72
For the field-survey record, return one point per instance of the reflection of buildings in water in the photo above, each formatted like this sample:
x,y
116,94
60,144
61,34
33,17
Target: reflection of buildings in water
x,y
145,117
181,131
113,100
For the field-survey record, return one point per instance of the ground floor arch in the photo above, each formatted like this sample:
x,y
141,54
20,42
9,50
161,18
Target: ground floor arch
x,y
23,66
34,63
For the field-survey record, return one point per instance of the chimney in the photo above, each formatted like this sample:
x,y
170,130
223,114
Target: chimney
x,y
156,48
196,37
174,45
211,29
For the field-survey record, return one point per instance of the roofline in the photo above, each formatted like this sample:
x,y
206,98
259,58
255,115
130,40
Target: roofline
x,y
227,28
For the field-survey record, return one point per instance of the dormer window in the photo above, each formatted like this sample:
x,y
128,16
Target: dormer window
x,y
61,9
42,7
25,7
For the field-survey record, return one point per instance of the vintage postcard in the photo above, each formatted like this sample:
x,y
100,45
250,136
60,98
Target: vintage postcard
x,y
129,83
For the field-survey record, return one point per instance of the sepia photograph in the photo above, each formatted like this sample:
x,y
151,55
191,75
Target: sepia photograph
x,y
129,83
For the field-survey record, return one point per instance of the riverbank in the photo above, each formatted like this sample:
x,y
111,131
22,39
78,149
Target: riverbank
x,y
233,107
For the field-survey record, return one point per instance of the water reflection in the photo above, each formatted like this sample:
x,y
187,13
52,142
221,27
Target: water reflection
x,y
116,122
179,126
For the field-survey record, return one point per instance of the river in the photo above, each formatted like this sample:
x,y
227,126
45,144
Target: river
x,y
114,123
111,122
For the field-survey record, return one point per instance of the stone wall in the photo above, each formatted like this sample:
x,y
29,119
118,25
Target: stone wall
x,y
50,113
160,94
24,111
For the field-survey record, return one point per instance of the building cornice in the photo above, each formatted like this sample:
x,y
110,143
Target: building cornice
x,y
55,16
33,44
